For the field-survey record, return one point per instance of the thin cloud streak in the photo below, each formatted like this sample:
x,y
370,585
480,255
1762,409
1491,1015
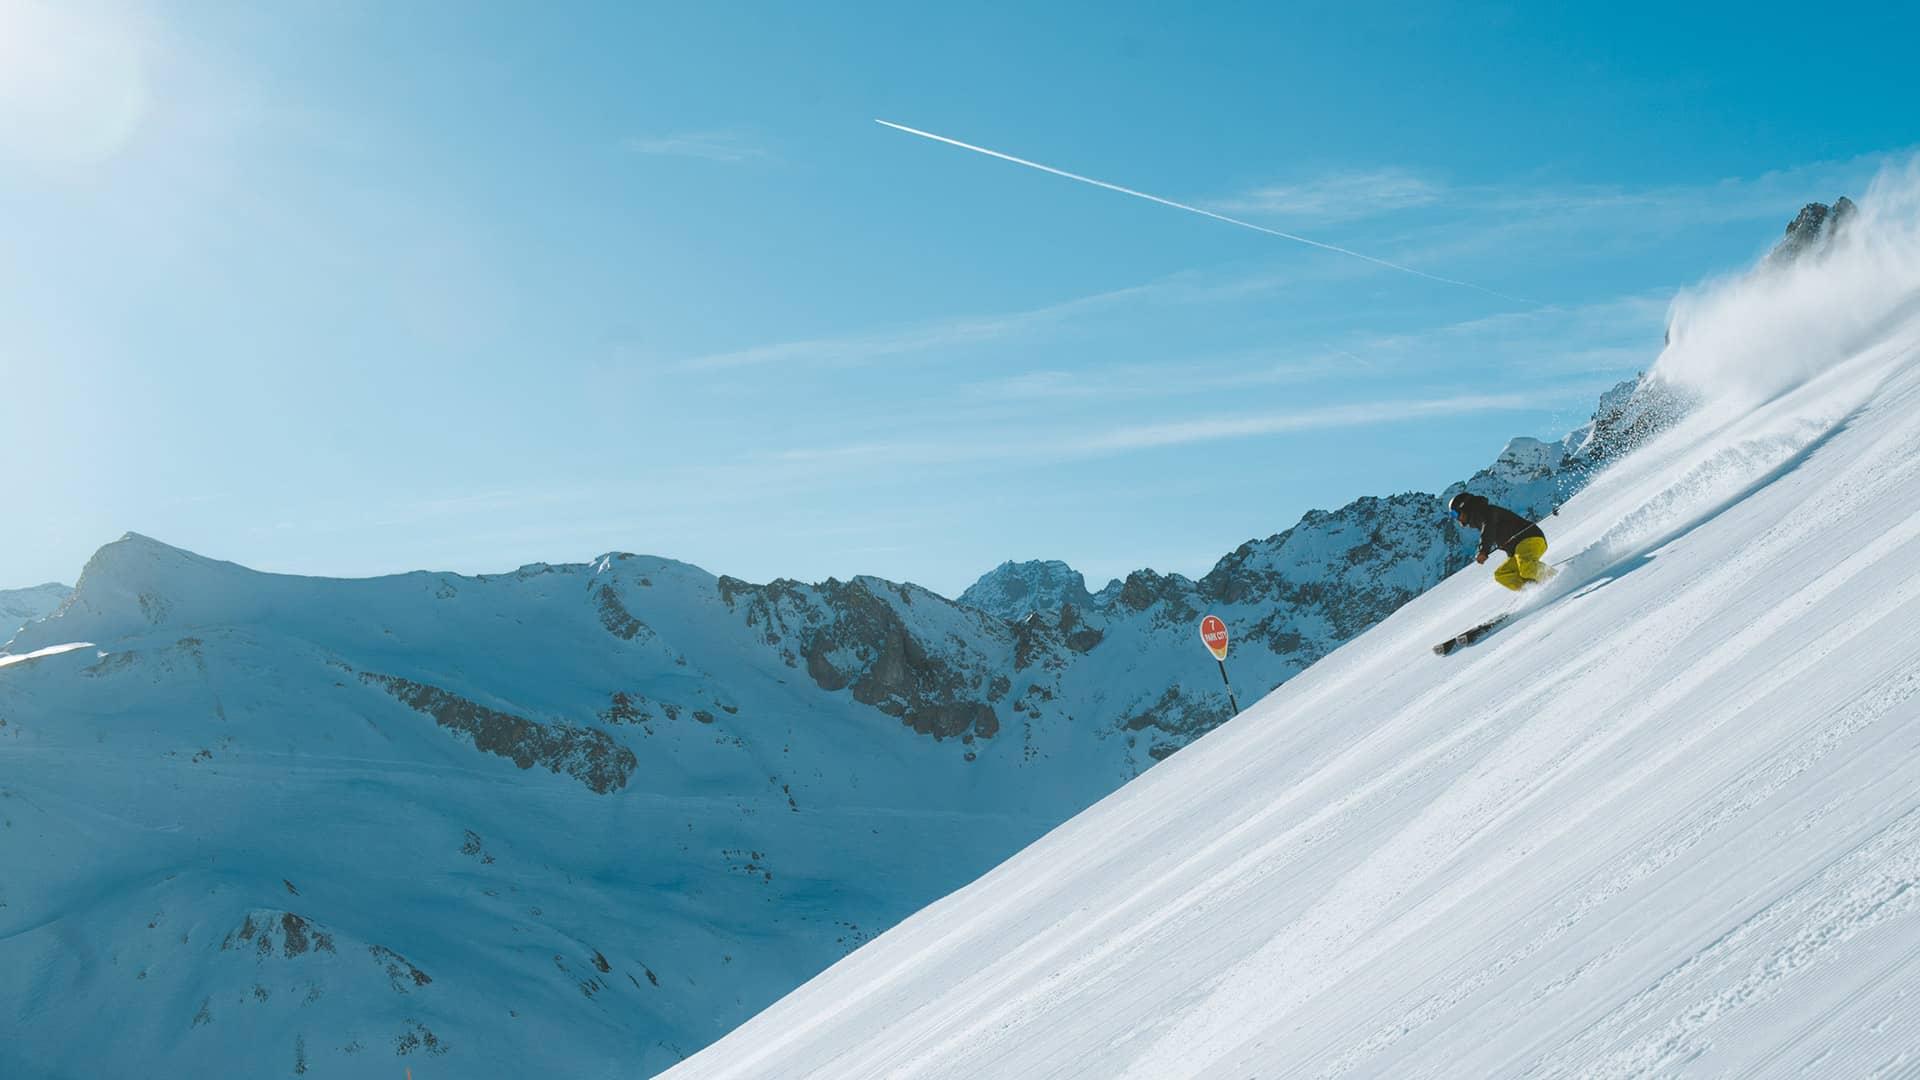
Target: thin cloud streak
x,y
1615,334
1515,218
1215,429
1339,196
1137,437
1156,380
855,349
1513,215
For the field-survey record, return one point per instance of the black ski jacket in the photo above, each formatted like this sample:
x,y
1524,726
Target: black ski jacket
x,y
1499,527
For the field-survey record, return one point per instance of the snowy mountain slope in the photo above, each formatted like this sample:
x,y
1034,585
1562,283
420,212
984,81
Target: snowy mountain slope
x,y
19,607
1663,824
570,818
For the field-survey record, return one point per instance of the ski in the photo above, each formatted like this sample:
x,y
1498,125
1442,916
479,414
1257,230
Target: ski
x,y
1468,637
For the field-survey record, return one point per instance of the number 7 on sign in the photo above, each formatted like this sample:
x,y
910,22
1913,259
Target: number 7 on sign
x,y
1213,632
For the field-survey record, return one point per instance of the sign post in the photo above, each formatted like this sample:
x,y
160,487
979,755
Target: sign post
x,y
1213,632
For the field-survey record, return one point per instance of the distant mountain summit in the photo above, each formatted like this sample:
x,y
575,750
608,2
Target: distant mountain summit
x,y
1013,590
21,606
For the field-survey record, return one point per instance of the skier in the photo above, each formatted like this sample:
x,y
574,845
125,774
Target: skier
x,y
1501,528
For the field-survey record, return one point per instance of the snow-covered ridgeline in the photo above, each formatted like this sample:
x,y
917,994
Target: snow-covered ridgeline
x,y
19,607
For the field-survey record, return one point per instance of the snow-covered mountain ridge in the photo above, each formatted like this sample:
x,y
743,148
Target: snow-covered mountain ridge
x,y
19,607
604,811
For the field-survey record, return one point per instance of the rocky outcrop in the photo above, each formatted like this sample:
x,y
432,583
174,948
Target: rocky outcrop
x,y
1013,590
282,933
616,618
586,754
1813,230
400,974
866,647
858,636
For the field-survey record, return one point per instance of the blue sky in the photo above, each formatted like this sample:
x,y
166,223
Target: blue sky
x,y
351,288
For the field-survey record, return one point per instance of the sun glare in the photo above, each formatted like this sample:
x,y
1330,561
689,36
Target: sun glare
x,y
73,82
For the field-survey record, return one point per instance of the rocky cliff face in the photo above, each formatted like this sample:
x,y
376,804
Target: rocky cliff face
x,y
1014,590
1812,231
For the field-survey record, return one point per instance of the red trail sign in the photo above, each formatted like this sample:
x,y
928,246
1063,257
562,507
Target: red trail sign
x,y
1214,633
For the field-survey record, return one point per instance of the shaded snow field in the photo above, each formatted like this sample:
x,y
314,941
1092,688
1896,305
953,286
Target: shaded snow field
x,y
1664,824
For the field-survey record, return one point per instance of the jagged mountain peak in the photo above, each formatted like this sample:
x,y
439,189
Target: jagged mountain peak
x,y
1014,590
1813,229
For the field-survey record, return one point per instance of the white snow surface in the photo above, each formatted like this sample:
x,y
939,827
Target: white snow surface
x,y
9,659
1663,824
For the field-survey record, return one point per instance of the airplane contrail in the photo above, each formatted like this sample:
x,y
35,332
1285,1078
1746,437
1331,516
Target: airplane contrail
x,y
1205,213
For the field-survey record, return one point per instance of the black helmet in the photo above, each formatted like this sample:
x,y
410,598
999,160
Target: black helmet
x,y
1459,502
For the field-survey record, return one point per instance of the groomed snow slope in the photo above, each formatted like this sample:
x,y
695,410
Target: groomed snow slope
x,y
1666,823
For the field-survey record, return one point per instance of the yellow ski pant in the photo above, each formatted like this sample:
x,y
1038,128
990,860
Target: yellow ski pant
x,y
1525,565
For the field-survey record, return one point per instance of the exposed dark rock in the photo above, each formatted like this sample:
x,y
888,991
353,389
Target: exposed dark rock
x,y
1145,588
398,971
616,618
297,936
586,754
1178,718
853,639
1813,230
1013,590
820,669
622,708
1033,642
294,929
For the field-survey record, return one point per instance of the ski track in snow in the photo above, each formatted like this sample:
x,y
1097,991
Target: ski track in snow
x,y
1659,826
